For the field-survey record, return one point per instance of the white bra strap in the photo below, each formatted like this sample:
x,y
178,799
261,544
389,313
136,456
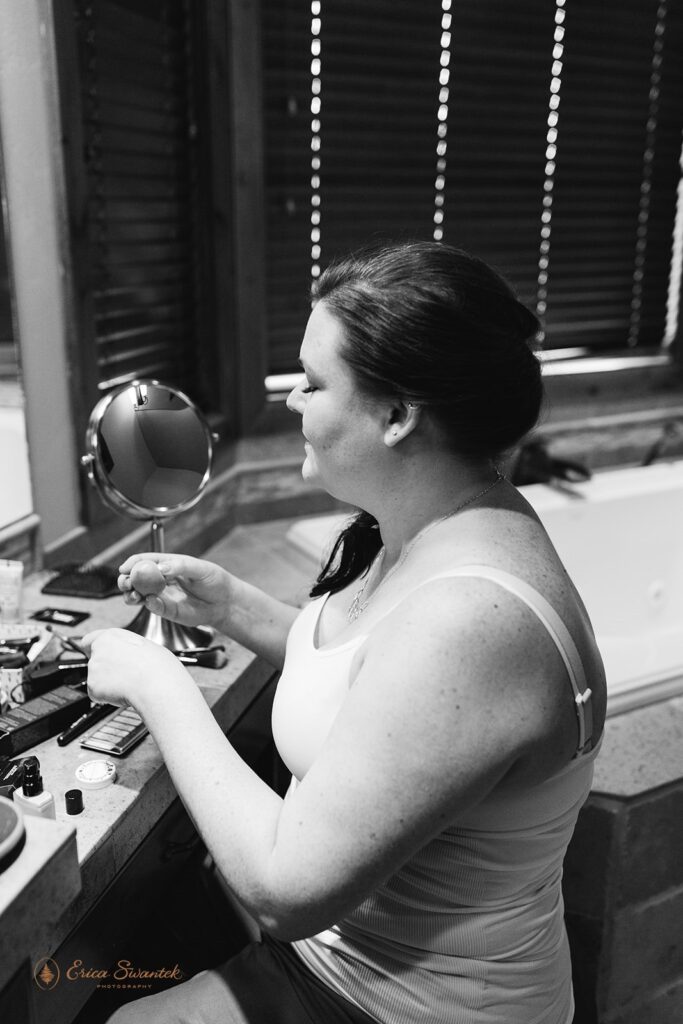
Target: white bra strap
x,y
555,627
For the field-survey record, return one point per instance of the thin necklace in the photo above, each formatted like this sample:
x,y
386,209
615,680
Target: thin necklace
x,y
358,606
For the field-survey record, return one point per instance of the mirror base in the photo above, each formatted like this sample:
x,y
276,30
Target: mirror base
x,y
170,634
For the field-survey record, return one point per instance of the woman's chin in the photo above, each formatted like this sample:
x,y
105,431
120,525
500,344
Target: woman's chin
x,y
308,469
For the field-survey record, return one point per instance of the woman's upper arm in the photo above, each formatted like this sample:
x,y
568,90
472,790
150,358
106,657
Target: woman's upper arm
x,y
435,717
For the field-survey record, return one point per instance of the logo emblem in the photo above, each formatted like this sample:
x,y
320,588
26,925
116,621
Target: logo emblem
x,y
46,973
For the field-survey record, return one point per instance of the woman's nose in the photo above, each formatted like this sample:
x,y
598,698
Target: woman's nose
x,y
295,400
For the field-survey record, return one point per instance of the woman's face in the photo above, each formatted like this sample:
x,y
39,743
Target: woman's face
x,y
342,427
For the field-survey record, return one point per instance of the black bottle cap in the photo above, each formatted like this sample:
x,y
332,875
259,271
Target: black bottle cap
x,y
33,780
73,799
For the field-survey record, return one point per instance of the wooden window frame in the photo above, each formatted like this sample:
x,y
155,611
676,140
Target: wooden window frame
x,y
233,237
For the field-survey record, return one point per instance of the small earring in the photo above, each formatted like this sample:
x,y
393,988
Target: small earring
x,y
395,432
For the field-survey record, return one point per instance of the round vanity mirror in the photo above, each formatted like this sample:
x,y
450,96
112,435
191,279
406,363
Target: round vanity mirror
x,y
149,450
149,454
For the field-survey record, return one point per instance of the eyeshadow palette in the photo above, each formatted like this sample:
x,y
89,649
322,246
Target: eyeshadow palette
x,y
118,734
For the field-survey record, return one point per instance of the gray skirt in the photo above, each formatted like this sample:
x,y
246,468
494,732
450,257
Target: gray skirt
x,y
267,983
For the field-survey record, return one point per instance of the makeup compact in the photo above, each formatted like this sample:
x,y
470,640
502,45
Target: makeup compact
x,y
96,774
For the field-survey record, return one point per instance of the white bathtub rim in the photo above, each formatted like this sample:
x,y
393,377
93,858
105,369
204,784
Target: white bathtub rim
x,y
608,485
312,534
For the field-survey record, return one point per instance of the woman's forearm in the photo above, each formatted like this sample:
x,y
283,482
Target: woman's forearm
x,y
257,621
234,811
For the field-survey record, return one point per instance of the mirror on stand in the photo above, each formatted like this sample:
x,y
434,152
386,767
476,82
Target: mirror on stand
x,y
149,455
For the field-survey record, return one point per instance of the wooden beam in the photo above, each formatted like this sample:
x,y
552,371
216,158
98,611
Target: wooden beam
x,y
248,205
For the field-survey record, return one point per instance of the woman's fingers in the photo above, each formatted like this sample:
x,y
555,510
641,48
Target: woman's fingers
x,y
160,607
171,567
152,556
177,587
89,639
130,596
121,662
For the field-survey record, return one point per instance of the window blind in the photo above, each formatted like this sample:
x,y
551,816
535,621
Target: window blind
x,y
544,137
617,169
379,79
136,83
286,34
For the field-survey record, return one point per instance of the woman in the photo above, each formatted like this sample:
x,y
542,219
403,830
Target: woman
x,y
441,699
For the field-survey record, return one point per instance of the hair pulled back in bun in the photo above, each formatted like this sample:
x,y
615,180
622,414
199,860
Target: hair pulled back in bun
x,y
430,324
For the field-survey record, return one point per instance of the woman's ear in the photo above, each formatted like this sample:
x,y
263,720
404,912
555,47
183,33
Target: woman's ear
x,y
403,418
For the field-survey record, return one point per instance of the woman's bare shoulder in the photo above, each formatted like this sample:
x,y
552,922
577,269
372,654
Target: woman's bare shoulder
x,y
497,656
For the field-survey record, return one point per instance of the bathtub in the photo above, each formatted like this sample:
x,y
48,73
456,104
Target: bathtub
x,y
620,536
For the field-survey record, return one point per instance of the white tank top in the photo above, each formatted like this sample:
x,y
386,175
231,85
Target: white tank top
x,y
471,929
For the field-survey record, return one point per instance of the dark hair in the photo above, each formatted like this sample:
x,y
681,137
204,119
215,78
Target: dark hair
x,y
430,324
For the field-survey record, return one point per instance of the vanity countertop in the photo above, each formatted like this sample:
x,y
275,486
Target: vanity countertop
x,y
67,864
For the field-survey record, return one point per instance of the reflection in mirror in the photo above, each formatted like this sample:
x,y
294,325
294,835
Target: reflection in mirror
x,y
15,486
153,450
149,455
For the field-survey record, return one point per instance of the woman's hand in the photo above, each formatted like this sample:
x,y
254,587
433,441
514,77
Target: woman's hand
x,y
196,592
124,668
188,590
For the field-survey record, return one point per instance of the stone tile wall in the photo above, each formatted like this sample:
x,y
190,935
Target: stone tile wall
x,y
623,887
